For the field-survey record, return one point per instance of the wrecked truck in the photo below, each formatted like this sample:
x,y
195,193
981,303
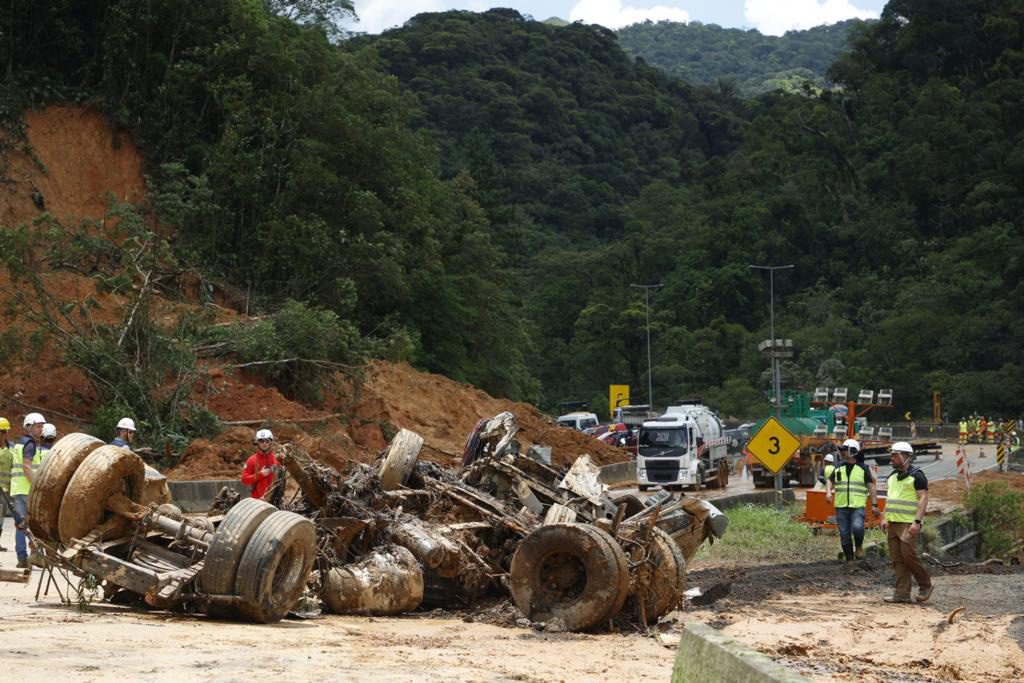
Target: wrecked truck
x,y
504,524
386,539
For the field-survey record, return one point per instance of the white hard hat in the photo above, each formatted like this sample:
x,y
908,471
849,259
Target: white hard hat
x,y
33,419
829,458
126,423
264,434
852,444
902,447
49,431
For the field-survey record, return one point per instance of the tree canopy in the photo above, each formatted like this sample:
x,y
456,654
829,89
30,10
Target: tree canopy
x,y
748,60
477,192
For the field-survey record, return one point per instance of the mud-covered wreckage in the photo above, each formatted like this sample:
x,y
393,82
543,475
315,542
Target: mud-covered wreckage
x,y
380,540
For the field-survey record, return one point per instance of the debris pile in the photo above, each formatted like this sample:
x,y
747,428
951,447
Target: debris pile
x,y
408,533
382,539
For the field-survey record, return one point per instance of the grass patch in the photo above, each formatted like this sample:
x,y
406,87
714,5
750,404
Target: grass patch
x,y
761,534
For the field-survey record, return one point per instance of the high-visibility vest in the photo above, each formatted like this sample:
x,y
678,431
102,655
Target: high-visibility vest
x,y
829,469
901,499
20,485
6,458
851,489
963,427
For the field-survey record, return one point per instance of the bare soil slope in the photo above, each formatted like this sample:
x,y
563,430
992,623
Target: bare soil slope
x,y
76,162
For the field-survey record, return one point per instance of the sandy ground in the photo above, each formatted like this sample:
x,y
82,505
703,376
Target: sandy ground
x,y
116,643
831,624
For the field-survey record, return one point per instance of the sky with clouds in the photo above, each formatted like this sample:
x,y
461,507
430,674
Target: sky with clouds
x,y
774,17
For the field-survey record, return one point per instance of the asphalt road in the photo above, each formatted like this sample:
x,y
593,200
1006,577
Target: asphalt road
x,y
945,468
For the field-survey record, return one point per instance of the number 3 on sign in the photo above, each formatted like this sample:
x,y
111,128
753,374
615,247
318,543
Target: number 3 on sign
x,y
774,450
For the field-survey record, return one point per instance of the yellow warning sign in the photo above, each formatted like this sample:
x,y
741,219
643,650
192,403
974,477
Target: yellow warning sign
x,y
773,445
618,396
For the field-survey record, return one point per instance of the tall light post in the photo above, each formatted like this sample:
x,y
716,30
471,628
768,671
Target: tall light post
x,y
776,373
647,308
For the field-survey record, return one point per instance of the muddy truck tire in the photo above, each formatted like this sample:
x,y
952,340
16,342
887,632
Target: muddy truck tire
x,y
104,472
274,567
615,606
51,481
721,478
400,459
634,504
667,581
574,572
228,545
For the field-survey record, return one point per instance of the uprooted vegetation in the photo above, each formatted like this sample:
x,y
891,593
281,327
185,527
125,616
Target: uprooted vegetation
x,y
142,354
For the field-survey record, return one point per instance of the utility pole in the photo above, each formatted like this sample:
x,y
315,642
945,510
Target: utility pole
x,y
647,308
776,372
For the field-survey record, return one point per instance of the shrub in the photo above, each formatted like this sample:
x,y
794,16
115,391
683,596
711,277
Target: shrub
x,y
999,516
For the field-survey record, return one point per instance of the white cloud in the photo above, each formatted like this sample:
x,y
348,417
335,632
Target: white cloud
x,y
380,15
775,17
612,13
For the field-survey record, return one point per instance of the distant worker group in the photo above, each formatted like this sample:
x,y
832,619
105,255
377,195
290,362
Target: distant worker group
x,y
20,462
984,430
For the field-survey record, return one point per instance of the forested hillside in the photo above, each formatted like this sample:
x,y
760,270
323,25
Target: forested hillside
x,y
476,193
707,54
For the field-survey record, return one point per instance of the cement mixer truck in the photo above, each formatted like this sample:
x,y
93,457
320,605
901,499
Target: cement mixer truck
x,y
686,446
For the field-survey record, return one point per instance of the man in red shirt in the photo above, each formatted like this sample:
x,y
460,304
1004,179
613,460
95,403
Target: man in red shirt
x,y
258,474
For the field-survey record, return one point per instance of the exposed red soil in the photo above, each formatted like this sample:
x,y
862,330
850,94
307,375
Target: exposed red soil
x,y
956,489
444,412
83,161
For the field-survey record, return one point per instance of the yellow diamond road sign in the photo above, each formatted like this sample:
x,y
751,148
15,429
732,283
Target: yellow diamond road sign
x,y
773,445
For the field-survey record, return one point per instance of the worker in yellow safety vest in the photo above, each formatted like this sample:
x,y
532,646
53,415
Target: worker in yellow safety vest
x,y
6,457
963,431
991,433
850,485
905,505
27,458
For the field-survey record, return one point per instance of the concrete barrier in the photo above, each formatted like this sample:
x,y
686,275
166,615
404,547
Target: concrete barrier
x,y
752,498
705,654
619,473
196,496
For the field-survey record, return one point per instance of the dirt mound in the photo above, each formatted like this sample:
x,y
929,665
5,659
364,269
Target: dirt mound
x,y
956,490
444,412
224,456
235,396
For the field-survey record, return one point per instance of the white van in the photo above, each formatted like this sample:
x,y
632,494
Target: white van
x,y
579,421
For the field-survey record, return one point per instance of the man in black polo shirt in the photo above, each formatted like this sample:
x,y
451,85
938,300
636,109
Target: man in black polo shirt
x,y
905,505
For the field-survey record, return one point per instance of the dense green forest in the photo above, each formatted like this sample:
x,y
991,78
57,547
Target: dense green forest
x,y
753,63
476,192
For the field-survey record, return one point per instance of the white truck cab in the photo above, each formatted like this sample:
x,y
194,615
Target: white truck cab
x,y
684,447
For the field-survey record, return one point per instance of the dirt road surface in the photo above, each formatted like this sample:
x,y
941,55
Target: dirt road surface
x,y
110,643
832,625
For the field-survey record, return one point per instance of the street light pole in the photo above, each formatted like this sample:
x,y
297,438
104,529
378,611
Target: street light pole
x,y
776,373
647,308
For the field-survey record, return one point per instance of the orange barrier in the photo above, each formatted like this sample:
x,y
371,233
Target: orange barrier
x,y
821,514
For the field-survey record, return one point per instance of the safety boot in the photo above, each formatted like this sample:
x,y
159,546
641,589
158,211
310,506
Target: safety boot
x,y
924,593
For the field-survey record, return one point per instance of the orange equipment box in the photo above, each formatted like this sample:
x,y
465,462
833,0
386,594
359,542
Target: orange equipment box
x,y
821,514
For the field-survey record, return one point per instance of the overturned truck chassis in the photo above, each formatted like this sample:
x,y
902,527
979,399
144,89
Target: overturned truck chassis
x,y
92,514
